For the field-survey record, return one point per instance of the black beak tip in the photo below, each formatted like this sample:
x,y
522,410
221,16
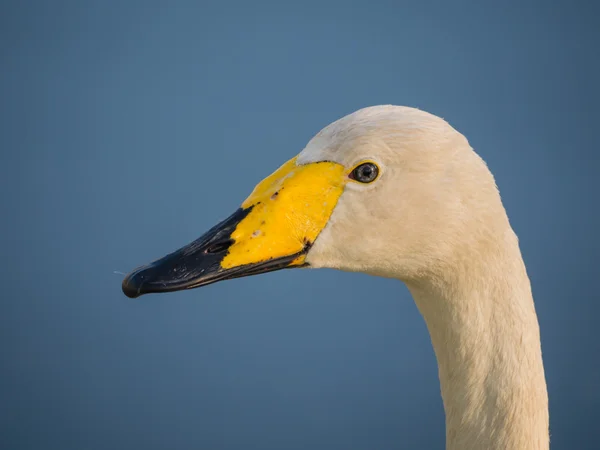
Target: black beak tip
x,y
132,286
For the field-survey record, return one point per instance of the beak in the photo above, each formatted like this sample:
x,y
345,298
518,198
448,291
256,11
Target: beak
x,y
274,229
199,263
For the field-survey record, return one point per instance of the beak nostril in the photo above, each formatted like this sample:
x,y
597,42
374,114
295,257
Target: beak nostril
x,y
218,247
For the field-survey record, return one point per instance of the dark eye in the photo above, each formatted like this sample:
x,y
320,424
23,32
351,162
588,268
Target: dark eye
x,y
365,173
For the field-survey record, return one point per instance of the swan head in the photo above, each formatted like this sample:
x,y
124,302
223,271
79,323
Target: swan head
x,y
387,190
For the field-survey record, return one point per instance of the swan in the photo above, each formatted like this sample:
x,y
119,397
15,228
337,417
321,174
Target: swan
x,y
397,192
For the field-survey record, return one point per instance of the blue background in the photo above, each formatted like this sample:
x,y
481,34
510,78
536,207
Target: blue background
x,y
129,128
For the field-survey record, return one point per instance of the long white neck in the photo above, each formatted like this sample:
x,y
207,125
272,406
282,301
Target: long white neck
x,y
485,334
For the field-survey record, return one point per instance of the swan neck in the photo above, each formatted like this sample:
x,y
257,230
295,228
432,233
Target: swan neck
x,y
485,335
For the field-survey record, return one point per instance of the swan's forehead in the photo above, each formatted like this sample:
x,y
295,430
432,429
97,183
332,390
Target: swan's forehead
x,y
381,133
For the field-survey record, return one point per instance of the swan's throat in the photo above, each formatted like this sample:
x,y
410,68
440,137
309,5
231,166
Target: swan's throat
x,y
486,339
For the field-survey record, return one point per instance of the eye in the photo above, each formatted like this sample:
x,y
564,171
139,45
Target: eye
x,y
365,172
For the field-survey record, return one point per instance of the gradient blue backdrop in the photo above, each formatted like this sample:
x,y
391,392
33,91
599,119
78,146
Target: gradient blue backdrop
x,y
129,128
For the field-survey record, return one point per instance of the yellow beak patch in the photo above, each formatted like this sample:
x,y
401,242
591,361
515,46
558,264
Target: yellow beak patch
x,y
289,209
